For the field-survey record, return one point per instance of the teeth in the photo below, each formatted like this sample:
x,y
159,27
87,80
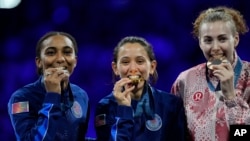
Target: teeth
x,y
133,76
217,56
61,68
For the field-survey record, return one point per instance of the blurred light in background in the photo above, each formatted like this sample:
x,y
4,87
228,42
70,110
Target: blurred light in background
x,y
61,15
8,4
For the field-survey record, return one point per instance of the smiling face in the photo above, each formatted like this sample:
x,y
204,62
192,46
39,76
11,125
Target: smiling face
x,y
216,40
133,60
57,51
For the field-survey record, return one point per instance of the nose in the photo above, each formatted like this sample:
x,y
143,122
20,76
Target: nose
x,y
215,46
133,69
60,58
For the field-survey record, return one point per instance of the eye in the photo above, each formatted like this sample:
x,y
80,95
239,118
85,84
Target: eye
x,y
50,52
222,39
140,61
207,40
68,51
124,62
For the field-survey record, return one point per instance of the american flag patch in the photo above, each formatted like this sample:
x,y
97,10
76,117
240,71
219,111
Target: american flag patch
x,y
20,107
100,120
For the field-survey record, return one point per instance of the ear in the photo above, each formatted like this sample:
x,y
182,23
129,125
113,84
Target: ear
x,y
38,62
76,59
114,67
199,40
153,66
236,40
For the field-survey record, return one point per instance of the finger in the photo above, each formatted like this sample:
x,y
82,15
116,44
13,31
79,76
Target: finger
x,y
129,89
62,72
63,77
120,85
119,89
217,72
47,73
227,65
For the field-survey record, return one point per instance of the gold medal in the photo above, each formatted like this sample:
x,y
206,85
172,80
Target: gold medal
x,y
135,79
215,61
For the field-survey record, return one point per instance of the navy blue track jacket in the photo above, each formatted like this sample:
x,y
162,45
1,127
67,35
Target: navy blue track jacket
x,y
120,123
40,116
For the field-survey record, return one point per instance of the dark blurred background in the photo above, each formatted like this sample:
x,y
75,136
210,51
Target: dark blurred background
x,y
98,25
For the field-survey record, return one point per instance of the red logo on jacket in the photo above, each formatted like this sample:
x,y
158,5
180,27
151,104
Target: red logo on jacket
x,y
197,96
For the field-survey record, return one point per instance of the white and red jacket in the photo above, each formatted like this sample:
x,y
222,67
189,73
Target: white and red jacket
x,y
208,113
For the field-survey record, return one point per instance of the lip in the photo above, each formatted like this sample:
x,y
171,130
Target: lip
x,y
217,55
61,68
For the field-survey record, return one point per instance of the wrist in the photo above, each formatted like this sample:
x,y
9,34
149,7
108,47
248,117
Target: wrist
x,y
230,97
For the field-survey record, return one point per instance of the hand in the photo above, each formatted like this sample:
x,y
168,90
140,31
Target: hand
x,y
122,91
225,73
53,78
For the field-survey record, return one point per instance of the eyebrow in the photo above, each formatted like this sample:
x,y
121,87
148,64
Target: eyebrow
x,y
62,47
49,47
218,35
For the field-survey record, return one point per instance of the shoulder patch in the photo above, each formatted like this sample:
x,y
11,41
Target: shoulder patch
x,y
20,107
100,120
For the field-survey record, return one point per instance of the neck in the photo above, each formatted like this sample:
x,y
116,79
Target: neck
x,y
138,92
136,95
